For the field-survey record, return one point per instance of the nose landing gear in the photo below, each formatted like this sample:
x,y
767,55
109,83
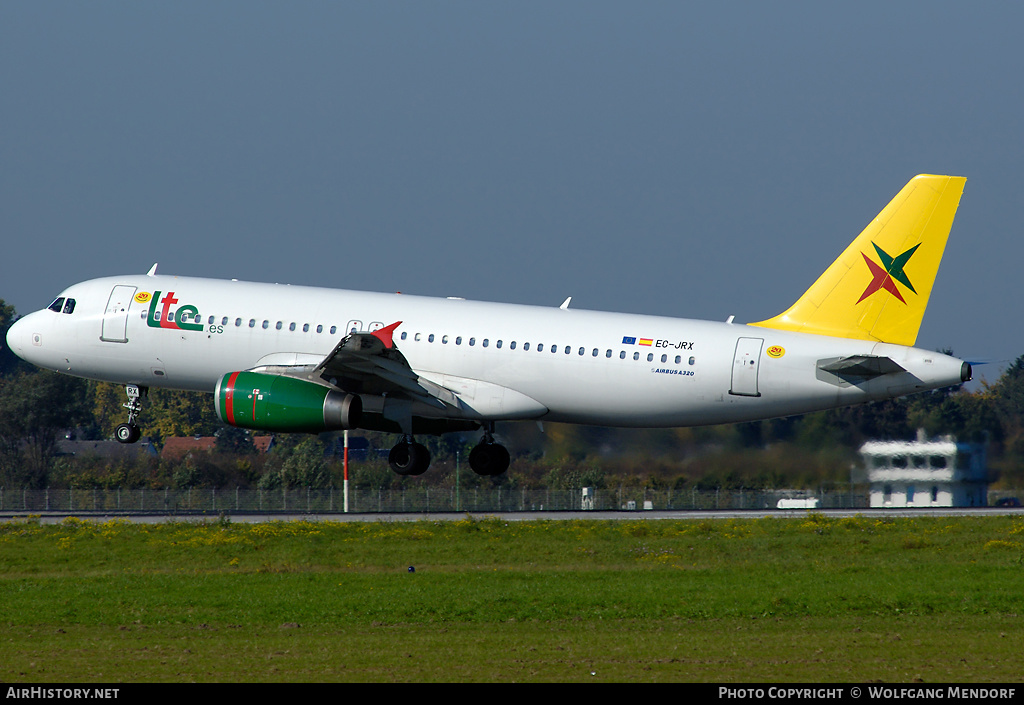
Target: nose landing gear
x,y
129,432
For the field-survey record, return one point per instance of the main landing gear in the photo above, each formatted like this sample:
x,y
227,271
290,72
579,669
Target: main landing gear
x,y
409,457
487,458
129,432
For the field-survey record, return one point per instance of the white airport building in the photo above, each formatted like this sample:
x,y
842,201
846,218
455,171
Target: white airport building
x,y
926,473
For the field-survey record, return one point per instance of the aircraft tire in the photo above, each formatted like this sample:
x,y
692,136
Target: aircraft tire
x,y
489,459
409,458
127,433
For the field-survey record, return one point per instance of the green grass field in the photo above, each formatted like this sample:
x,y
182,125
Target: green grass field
x,y
807,598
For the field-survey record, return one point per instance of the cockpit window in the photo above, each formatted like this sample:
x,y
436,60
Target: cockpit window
x,y
57,305
69,306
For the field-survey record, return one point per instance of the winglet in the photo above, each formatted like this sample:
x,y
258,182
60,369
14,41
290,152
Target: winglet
x,y
152,270
860,295
386,334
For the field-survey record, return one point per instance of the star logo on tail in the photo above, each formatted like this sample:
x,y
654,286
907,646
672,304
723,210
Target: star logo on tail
x,y
890,272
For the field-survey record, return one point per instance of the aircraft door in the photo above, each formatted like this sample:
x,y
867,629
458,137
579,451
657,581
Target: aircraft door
x,y
115,317
745,365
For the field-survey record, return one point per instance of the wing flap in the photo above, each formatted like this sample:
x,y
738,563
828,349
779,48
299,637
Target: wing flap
x,y
369,363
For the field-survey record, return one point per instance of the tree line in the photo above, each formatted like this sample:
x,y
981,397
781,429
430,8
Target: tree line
x,y
39,408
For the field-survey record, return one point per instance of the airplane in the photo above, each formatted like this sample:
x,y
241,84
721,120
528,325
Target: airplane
x,y
285,358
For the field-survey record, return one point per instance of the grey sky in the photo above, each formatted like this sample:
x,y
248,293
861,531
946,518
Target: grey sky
x,y
683,159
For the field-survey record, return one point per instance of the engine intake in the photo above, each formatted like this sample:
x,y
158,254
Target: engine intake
x,y
286,404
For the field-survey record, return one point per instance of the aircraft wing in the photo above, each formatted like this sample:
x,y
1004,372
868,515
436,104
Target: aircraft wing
x,y
369,363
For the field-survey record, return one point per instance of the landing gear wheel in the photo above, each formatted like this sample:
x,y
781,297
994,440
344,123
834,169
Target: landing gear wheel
x,y
489,459
127,433
409,458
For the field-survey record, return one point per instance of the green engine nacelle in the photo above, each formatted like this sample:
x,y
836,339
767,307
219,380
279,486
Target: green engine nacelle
x,y
277,403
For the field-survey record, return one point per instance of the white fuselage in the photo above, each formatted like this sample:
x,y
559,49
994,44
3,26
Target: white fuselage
x,y
503,361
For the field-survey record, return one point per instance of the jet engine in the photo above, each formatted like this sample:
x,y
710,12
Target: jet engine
x,y
286,404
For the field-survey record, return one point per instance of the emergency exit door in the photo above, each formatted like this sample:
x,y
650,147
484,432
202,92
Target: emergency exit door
x,y
744,367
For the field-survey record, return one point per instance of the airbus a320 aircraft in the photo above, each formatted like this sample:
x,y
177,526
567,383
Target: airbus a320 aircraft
x,y
301,359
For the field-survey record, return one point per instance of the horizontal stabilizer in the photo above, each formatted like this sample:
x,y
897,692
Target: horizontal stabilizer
x,y
862,366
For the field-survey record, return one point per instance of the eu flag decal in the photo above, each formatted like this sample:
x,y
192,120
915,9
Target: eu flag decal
x,y
626,340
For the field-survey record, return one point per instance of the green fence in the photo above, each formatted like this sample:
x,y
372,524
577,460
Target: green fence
x,y
327,501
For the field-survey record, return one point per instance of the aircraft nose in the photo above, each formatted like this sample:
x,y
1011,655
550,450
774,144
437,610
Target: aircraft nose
x,y
21,338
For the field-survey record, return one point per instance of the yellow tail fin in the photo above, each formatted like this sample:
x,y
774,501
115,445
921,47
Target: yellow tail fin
x,y
878,288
